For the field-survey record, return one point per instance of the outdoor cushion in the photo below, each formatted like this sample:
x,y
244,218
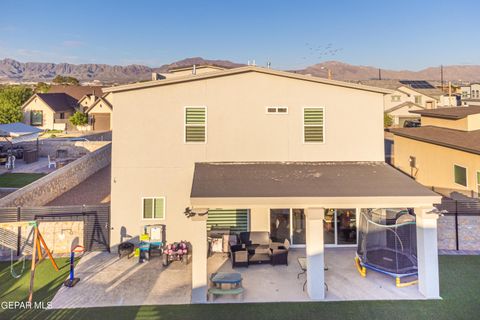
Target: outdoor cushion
x,y
255,237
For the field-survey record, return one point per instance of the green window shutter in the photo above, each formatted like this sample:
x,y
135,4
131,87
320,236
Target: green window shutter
x,y
195,124
148,208
313,121
460,175
159,208
235,219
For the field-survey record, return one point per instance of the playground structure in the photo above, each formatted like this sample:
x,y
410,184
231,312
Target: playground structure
x,y
387,244
36,248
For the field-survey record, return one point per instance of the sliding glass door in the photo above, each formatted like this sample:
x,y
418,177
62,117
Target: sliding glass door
x,y
288,224
340,227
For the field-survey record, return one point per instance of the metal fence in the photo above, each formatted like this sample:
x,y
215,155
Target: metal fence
x,y
460,224
96,221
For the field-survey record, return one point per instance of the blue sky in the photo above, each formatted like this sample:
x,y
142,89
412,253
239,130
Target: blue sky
x,y
291,34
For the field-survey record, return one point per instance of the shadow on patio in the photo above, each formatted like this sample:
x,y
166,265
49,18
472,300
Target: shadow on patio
x,y
267,283
107,280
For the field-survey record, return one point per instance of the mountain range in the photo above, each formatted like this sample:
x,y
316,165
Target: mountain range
x,y
15,71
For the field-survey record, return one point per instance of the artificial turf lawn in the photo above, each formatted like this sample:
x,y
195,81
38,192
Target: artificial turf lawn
x,y
18,180
459,281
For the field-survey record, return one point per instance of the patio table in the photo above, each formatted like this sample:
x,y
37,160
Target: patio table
x,y
233,279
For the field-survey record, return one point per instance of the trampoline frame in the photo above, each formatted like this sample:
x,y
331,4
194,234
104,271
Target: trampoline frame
x,y
363,266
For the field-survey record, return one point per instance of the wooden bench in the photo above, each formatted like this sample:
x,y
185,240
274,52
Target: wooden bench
x,y
212,292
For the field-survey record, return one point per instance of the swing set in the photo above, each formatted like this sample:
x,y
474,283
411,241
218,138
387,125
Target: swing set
x,y
38,244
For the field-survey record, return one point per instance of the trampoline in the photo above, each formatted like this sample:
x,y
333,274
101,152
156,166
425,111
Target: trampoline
x,y
387,244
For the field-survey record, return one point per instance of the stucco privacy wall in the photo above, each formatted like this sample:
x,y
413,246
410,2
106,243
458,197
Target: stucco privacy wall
x,y
51,186
468,232
238,129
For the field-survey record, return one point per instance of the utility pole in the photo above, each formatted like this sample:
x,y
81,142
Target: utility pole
x,y
441,77
379,74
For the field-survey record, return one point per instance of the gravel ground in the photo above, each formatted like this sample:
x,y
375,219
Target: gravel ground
x,y
94,190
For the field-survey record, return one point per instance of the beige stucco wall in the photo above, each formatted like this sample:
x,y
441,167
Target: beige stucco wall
x,y
469,123
37,104
435,164
100,107
238,129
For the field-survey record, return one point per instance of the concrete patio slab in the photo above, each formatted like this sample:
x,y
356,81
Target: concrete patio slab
x,y
266,283
106,280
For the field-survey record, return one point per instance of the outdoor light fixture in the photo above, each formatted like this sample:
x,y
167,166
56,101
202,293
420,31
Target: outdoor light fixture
x,y
189,212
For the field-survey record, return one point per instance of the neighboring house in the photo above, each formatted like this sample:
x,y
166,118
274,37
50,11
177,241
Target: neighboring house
x,y
251,146
409,96
471,94
49,110
444,153
100,113
186,71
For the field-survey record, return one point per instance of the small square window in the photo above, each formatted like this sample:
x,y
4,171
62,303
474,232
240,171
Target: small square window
x,y
154,208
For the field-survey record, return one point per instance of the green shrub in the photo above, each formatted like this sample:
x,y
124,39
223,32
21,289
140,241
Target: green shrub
x,y
387,120
79,119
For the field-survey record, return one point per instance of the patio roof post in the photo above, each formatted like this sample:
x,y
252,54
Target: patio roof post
x,y
315,253
427,253
199,259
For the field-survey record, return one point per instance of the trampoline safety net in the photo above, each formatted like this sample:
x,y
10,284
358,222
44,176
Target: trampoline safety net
x,y
387,241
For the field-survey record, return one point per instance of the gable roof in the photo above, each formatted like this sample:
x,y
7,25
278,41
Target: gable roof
x,y
97,101
77,92
453,113
405,104
58,102
235,71
468,141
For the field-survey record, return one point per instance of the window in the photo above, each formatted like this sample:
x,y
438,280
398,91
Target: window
x,y
62,115
154,208
277,110
460,174
313,125
36,118
195,124
418,99
478,183
395,98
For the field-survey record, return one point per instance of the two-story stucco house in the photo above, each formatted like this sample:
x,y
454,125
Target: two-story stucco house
x,y
252,141
409,96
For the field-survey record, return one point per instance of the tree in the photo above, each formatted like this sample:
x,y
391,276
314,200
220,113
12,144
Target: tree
x,y
387,120
11,100
42,87
65,80
79,119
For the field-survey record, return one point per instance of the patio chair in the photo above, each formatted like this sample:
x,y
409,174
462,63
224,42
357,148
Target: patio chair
x,y
239,256
280,253
51,163
10,162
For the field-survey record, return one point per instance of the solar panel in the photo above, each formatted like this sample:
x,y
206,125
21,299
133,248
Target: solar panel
x,y
417,84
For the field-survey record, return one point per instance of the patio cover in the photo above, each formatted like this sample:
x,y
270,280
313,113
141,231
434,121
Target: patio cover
x,y
303,179
19,132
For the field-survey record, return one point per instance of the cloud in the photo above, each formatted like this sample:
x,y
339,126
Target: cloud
x,y
73,43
